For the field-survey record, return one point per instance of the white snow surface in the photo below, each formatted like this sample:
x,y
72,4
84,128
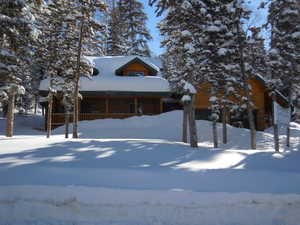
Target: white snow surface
x,y
136,171
106,80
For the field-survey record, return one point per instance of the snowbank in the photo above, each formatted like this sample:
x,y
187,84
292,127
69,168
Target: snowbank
x,y
168,126
136,171
99,206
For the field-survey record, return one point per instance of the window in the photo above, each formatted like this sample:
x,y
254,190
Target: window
x,y
121,105
95,72
135,74
93,106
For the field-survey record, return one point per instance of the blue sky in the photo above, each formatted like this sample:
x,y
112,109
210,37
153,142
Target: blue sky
x,y
258,18
152,23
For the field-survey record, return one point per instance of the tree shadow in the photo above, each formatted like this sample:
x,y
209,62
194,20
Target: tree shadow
x,y
112,153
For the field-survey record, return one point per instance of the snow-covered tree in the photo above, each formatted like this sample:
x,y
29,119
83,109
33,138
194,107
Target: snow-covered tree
x,y
117,44
205,43
181,56
15,34
255,48
68,31
128,32
89,33
284,17
161,5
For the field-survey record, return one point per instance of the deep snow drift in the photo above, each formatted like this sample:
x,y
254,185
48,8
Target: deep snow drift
x,y
136,171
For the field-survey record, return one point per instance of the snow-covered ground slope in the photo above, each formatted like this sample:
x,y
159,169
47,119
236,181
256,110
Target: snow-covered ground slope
x,y
136,171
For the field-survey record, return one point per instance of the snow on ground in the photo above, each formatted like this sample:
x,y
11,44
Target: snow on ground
x,y
136,171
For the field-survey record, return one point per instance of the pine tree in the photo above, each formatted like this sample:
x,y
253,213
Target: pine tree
x,y
204,41
128,32
116,43
161,5
255,48
15,33
61,49
245,68
284,17
182,57
88,40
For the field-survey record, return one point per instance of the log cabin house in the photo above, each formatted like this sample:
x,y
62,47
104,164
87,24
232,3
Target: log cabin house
x,y
125,86
121,86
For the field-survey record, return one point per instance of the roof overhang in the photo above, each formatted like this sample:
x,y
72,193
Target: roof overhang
x,y
118,94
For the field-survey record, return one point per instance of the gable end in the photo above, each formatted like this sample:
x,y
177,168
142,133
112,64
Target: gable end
x,y
153,71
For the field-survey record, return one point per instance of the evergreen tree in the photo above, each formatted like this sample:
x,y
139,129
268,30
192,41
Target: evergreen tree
x,y
161,5
205,42
284,17
117,44
88,40
60,47
181,56
256,51
15,33
128,32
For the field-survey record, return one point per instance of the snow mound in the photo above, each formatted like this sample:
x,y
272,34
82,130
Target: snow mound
x,y
136,171
99,206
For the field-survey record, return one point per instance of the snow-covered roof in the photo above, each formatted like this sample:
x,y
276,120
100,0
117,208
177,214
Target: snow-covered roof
x,y
107,80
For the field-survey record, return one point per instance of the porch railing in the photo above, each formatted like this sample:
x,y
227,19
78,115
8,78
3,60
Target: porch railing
x,y
58,119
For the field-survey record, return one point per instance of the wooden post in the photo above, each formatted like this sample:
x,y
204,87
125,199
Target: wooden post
x,y
106,106
215,133
67,119
224,122
275,123
288,129
35,104
10,113
192,123
49,114
185,123
135,105
161,105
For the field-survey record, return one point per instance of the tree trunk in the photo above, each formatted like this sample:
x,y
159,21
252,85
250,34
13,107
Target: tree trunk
x,y
76,91
215,133
185,123
288,129
275,124
251,122
246,87
49,114
35,104
67,120
10,114
192,124
224,122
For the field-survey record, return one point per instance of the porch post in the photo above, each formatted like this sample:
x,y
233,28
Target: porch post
x,y
135,105
106,106
161,108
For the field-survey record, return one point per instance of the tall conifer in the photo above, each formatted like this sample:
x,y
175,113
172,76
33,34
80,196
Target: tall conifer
x,y
128,32
15,33
284,17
